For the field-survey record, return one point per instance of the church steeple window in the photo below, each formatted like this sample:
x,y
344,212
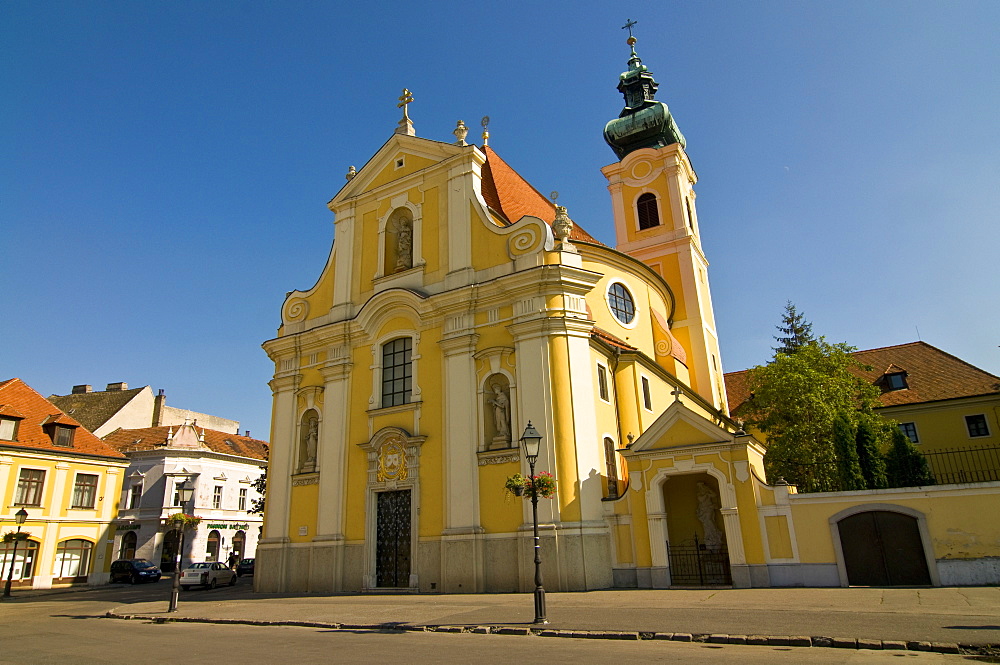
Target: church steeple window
x,y
647,212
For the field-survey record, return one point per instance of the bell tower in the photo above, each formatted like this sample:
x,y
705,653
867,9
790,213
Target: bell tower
x,y
656,221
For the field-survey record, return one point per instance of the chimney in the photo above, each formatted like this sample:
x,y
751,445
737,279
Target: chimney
x,y
159,402
247,435
121,385
81,389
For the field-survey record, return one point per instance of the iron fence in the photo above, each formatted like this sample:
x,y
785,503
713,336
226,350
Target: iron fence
x,y
965,465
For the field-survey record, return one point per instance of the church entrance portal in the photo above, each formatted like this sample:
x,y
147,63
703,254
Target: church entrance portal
x,y
392,533
883,548
696,542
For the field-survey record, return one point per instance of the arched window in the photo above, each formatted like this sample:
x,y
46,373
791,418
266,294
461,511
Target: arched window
x,y
212,548
73,558
24,563
397,371
611,462
127,548
645,208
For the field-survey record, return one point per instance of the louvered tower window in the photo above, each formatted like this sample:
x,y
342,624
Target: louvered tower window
x,y
646,209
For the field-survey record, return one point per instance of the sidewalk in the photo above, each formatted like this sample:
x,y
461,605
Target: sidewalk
x,y
856,617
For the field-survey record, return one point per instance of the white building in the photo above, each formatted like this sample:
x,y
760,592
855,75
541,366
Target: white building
x,y
222,468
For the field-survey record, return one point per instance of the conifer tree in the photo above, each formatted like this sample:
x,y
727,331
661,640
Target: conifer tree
x,y
905,465
846,450
869,458
795,331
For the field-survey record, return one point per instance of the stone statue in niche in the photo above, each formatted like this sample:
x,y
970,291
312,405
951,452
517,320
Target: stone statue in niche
x,y
501,416
708,506
309,441
404,244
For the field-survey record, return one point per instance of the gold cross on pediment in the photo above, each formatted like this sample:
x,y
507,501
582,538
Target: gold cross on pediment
x,y
404,99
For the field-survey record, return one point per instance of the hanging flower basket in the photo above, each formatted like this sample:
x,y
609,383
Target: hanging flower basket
x,y
11,536
544,484
183,521
515,485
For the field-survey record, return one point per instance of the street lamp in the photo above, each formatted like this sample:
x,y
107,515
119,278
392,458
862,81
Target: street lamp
x,y
531,440
184,492
19,517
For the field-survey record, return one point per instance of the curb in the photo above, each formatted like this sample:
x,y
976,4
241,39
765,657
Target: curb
x,y
714,638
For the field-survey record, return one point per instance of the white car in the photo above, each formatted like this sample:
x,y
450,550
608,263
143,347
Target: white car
x,y
209,573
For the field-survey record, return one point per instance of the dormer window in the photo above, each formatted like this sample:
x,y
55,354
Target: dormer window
x,y
896,381
63,436
60,429
8,429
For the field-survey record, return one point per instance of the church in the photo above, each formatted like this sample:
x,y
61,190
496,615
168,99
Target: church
x,y
457,305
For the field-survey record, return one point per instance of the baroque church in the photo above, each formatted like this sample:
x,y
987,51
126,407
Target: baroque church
x,y
456,306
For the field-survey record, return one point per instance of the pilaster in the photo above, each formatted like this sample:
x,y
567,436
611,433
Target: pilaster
x,y
281,456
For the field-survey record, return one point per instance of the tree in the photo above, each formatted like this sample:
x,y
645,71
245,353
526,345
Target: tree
x,y
846,450
257,505
796,331
905,465
870,459
794,400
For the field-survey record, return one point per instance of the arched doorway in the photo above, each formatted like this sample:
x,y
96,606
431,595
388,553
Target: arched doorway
x,y
127,548
239,544
883,548
212,547
168,555
697,552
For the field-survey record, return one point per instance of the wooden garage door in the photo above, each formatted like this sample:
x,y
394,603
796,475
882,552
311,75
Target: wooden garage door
x,y
883,548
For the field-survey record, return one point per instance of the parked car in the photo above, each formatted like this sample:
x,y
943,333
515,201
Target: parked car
x,y
134,571
208,573
244,567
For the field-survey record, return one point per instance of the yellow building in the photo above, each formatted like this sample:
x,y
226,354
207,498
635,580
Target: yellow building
x,y
67,480
457,305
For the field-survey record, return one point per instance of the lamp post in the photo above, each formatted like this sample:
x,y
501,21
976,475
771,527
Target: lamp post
x,y
184,492
19,517
531,440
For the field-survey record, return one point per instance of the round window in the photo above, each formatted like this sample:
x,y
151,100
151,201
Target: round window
x,y
621,303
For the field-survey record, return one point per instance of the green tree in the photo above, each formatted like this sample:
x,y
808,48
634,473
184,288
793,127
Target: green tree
x,y
257,505
869,457
905,465
794,401
846,450
795,331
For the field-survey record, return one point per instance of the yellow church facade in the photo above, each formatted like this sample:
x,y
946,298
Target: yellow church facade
x,y
457,305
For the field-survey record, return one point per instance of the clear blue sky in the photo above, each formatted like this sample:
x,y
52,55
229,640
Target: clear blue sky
x,y
166,165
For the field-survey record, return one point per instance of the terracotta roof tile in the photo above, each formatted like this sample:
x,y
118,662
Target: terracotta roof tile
x,y
608,338
512,196
931,375
151,438
36,411
94,409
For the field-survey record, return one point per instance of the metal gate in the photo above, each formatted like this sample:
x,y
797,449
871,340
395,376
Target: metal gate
x,y
883,548
392,552
697,565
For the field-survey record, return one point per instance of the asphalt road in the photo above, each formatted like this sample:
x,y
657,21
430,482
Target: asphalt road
x,y
70,628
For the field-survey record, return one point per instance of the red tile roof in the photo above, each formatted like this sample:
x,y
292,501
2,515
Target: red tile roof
x,y
17,397
931,375
611,340
512,196
151,438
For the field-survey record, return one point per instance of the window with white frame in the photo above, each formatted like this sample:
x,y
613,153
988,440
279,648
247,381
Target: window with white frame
x,y
217,497
29,487
397,371
85,490
135,496
621,303
243,498
910,430
645,208
73,558
977,425
647,399
8,429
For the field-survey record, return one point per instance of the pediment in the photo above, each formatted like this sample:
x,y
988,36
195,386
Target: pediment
x,y
417,154
679,426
